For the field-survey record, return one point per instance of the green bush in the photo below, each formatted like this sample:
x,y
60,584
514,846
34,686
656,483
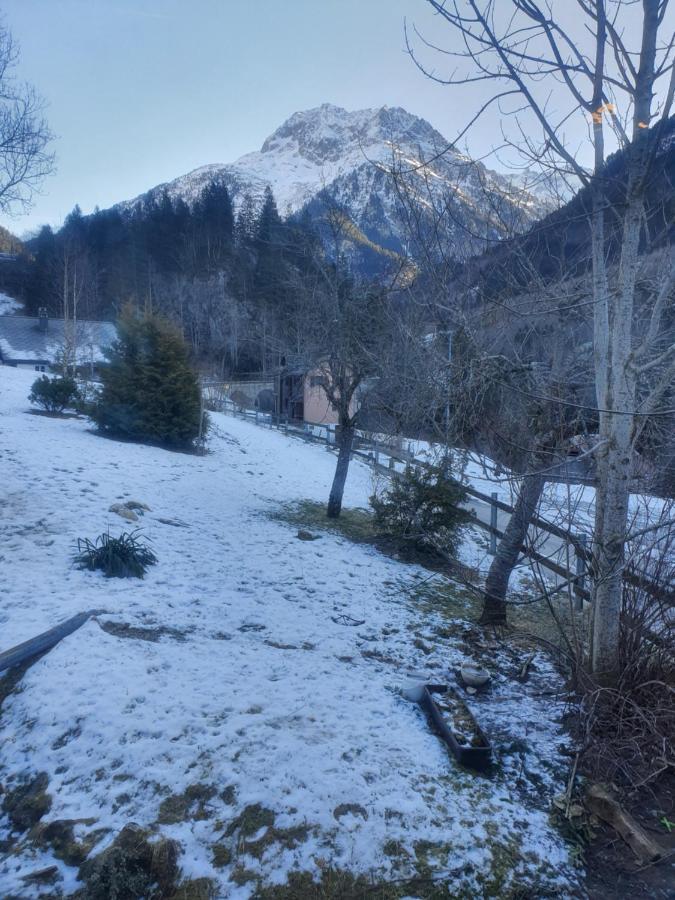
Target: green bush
x,y
126,556
88,396
54,394
149,391
422,507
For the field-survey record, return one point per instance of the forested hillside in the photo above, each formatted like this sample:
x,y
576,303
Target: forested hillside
x,y
218,275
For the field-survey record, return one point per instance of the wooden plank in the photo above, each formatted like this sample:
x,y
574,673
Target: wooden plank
x,y
45,641
542,524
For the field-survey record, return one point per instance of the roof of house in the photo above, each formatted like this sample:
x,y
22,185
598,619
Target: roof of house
x,y
22,339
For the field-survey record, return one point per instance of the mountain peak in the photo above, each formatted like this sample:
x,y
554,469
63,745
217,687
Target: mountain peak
x,y
325,133
349,154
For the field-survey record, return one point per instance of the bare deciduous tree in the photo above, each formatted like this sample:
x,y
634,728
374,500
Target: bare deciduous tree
x,y
608,64
24,135
334,328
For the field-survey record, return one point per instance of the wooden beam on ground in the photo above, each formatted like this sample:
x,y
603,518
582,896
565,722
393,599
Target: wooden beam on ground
x,y
600,802
45,641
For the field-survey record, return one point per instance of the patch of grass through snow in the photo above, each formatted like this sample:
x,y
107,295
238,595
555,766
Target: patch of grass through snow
x,y
439,593
436,594
356,524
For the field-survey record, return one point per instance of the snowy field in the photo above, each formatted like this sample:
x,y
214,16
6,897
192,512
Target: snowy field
x,y
249,688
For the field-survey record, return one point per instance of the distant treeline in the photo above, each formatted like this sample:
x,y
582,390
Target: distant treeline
x,y
224,278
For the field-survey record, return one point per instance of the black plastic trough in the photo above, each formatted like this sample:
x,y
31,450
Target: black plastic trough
x,y
476,756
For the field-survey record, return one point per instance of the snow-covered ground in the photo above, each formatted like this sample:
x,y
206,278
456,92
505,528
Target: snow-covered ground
x,y
8,305
254,692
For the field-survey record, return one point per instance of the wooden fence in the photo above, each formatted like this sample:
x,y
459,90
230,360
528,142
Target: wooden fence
x,y
372,452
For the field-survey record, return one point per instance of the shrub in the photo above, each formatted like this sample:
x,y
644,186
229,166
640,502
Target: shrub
x,y
126,556
422,507
149,390
54,394
88,396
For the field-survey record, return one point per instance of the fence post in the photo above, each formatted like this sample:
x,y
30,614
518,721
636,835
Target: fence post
x,y
493,523
580,571
392,463
257,417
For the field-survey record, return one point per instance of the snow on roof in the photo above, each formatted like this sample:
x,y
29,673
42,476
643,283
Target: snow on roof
x,y
23,340
8,305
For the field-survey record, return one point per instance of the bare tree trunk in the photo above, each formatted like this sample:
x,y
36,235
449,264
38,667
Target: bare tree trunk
x,y
345,441
616,388
497,581
617,404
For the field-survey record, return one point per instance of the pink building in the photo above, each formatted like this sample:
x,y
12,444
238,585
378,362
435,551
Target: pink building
x,y
302,398
317,408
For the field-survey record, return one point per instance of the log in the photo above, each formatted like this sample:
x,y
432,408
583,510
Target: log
x,y
45,641
522,675
600,802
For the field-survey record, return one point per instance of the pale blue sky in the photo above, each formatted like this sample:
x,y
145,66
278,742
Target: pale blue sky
x,y
140,91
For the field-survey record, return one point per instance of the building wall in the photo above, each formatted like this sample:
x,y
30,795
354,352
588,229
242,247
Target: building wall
x,y
27,364
318,410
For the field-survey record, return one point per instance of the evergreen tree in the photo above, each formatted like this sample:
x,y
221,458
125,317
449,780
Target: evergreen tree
x,y
150,391
215,224
42,287
244,231
269,225
269,279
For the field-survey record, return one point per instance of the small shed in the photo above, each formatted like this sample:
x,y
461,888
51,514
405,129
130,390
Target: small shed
x,y
301,396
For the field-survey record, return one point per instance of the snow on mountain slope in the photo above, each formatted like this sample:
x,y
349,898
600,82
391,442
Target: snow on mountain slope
x,y
350,156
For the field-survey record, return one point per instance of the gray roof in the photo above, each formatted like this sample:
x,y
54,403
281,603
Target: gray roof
x,y
23,341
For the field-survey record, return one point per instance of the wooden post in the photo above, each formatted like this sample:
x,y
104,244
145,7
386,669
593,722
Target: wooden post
x,y
580,582
392,463
493,523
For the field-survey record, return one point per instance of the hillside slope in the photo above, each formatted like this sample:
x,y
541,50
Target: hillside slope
x,y
222,689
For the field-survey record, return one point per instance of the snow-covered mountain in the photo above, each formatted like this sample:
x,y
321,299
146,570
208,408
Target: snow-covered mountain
x,y
349,157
